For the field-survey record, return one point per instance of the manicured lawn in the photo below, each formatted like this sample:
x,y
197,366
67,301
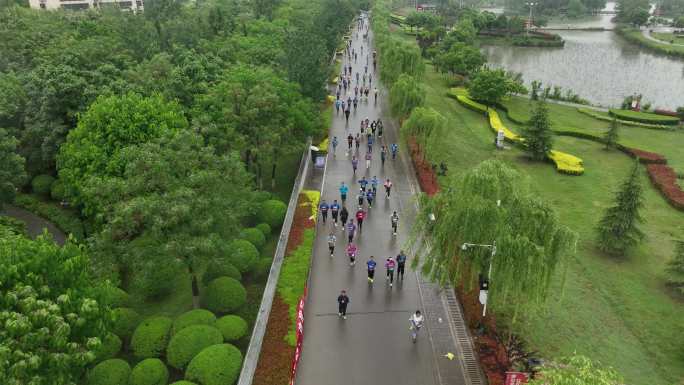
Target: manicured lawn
x,y
616,311
668,37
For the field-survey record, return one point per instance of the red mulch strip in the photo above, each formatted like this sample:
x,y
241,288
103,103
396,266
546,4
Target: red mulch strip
x,y
645,156
426,177
275,360
665,180
491,352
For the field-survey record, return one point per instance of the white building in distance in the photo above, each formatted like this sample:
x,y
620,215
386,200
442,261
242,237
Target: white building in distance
x,y
133,5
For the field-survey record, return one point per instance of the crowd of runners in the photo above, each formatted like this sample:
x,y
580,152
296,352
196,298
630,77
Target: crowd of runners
x,y
345,216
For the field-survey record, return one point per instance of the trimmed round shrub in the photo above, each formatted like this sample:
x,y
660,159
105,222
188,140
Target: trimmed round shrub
x,y
42,184
58,191
263,267
254,236
265,229
110,372
151,337
150,372
183,382
224,294
113,296
185,345
232,327
125,321
242,254
193,317
272,212
111,345
220,268
215,365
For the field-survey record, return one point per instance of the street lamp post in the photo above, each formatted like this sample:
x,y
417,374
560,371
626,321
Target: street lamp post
x,y
492,247
529,20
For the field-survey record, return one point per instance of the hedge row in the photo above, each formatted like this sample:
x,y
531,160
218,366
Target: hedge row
x,y
645,157
644,117
596,115
66,220
665,180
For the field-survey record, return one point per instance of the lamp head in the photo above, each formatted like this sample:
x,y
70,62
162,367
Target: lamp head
x,y
464,247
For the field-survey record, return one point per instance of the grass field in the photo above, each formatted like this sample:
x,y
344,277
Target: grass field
x,y
668,37
615,311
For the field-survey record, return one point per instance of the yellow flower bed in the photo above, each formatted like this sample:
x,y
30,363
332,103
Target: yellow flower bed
x,y
497,125
314,197
566,163
323,147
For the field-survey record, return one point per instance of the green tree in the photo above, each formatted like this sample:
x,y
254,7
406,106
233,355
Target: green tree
x,y
12,174
633,11
306,61
422,124
611,136
490,86
405,95
51,325
175,204
492,203
400,57
460,59
93,148
160,12
576,8
538,137
675,268
618,230
256,112
576,369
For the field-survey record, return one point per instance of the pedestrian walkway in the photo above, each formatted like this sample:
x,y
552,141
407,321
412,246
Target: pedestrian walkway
x,y
373,345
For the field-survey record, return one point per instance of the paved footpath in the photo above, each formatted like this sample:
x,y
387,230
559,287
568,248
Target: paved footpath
x,y
372,346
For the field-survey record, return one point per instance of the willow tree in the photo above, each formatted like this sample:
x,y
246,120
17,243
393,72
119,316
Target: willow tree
x,y
405,95
492,203
399,57
422,123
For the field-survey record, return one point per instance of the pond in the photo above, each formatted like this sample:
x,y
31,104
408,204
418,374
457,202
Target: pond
x,y
599,66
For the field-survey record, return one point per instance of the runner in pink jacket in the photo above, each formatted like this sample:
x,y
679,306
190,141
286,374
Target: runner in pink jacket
x,y
351,253
390,265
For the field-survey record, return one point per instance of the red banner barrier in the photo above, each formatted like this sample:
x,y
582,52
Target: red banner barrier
x,y
516,378
300,338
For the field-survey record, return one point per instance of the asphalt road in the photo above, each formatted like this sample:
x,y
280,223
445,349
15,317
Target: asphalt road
x,y
372,346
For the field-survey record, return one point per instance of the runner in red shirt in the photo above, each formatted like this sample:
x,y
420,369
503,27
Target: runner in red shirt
x,y
360,216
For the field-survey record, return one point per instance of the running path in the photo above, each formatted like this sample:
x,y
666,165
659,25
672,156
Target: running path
x,y
372,346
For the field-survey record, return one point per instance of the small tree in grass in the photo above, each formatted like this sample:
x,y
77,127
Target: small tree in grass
x,y
675,268
611,136
618,230
537,136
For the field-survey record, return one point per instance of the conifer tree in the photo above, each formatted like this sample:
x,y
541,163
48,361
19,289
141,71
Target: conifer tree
x,y
618,230
675,268
611,136
538,140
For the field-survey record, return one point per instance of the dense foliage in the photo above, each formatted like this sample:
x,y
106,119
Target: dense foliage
x,y
51,321
224,295
12,172
576,370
